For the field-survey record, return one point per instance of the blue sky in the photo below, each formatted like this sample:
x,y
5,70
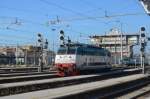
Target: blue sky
x,y
21,20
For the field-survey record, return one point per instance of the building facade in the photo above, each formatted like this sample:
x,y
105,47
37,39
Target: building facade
x,y
117,43
25,55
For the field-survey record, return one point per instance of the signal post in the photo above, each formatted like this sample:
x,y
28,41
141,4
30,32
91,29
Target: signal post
x,y
43,46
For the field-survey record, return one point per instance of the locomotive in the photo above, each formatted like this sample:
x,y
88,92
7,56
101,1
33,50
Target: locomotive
x,y
76,58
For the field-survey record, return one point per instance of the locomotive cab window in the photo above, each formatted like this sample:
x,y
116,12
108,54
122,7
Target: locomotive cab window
x,y
66,51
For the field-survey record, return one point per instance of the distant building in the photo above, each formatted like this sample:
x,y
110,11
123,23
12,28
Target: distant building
x,y
24,55
7,55
112,42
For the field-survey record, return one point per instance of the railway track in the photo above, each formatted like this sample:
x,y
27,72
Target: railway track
x,y
22,87
27,78
20,69
108,88
139,93
25,74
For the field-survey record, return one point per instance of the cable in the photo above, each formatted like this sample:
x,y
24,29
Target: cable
x,y
22,37
21,10
101,17
14,36
65,9
21,20
12,40
92,5
26,31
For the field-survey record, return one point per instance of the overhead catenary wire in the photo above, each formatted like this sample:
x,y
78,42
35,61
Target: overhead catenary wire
x,y
22,21
102,17
66,9
17,36
15,41
92,5
23,10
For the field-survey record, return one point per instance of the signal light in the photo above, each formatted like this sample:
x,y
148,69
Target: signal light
x,y
69,41
39,35
46,42
61,35
142,28
143,35
39,40
61,45
143,44
62,41
61,38
142,48
61,32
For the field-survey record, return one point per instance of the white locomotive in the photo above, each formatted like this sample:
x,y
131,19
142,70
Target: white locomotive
x,y
81,57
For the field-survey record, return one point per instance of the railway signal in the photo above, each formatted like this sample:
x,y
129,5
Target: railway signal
x,y
143,44
68,42
62,38
46,44
43,46
40,43
40,40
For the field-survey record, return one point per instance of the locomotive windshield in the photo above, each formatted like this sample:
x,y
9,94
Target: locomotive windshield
x,y
66,50
83,51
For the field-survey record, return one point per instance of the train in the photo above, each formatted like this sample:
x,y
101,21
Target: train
x,y
77,58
